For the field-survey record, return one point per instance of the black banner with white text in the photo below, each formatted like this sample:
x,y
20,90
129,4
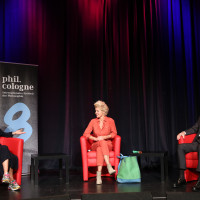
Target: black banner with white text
x,y
19,105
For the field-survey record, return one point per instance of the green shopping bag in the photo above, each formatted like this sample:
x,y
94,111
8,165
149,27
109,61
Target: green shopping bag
x,y
128,170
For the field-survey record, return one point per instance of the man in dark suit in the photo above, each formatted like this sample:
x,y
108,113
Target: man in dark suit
x,y
186,148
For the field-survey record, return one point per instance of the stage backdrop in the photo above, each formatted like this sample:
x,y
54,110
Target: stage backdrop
x,y
18,105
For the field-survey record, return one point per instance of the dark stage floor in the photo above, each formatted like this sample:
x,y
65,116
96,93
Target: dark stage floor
x,y
51,187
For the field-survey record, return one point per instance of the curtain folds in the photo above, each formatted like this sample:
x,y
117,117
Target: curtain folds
x,y
140,56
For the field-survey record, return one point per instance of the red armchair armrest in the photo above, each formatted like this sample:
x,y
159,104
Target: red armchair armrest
x,y
187,139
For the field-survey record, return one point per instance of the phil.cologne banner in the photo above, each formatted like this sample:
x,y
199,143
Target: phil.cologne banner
x,y
19,105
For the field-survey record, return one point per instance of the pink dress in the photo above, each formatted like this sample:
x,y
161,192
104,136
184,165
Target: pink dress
x,y
104,146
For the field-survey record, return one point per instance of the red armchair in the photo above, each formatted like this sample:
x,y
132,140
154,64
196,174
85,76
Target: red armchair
x,y
89,158
15,145
191,160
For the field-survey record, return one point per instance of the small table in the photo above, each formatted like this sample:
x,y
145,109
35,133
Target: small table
x,y
163,161
35,158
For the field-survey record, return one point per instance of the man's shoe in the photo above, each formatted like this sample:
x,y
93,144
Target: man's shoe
x,y
196,187
179,183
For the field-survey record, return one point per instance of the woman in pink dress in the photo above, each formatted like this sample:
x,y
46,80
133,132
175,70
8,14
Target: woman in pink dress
x,y
104,130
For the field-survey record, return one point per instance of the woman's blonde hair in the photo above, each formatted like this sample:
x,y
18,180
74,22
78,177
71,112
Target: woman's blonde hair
x,y
102,106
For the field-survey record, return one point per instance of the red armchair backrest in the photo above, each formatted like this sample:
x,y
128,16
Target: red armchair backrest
x,y
15,145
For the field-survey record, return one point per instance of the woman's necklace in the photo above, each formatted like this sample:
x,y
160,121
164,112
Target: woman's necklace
x,y
101,123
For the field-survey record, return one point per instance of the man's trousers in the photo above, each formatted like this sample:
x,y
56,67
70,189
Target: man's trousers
x,y
186,148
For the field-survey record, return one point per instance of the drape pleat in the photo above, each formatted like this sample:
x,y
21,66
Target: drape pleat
x,y
140,56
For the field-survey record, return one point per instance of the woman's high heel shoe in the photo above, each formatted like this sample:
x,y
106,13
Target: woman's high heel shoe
x,y
110,169
99,181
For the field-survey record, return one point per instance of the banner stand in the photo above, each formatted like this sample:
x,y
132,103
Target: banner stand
x,y
19,105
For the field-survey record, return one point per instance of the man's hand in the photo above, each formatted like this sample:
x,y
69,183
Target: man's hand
x,y
181,134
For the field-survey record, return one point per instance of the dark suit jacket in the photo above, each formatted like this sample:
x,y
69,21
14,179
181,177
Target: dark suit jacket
x,y
195,129
3,134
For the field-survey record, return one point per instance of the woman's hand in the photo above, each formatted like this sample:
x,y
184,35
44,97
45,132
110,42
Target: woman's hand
x,y
181,134
18,132
99,138
95,139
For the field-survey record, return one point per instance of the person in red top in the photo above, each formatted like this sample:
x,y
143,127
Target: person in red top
x,y
104,130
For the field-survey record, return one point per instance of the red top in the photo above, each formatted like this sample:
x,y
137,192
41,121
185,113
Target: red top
x,y
108,128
